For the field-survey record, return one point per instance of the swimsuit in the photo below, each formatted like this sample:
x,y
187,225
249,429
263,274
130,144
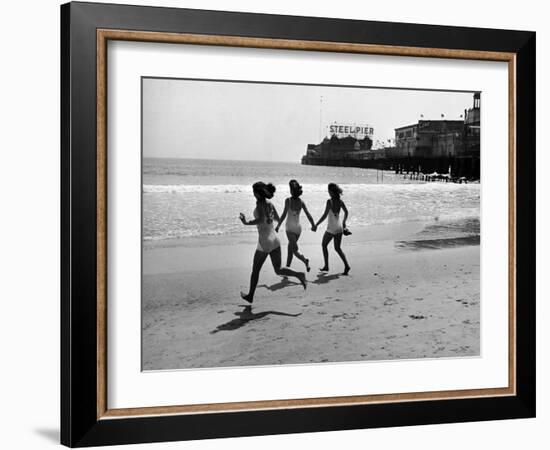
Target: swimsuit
x,y
267,237
334,225
293,220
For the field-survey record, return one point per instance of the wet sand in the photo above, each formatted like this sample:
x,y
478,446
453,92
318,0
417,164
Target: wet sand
x,y
408,295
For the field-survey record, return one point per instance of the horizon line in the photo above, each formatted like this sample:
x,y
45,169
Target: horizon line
x,y
219,159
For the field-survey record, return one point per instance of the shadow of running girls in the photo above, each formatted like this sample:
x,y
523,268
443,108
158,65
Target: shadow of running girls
x,y
245,316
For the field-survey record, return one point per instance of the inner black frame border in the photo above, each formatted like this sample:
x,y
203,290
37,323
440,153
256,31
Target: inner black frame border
x,y
79,423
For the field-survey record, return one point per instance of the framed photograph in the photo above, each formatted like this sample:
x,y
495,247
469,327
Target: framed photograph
x,y
276,224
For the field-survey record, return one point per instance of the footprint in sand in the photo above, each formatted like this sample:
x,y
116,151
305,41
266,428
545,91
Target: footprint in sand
x,y
345,316
461,349
417,317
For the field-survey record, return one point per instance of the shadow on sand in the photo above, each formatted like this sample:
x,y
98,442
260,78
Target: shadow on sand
x,y
285,282
323,278
245,316
436,244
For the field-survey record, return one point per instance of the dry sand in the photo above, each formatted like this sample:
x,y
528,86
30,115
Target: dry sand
x,y
403,299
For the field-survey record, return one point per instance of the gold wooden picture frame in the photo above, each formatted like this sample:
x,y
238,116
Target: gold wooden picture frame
x,y
85,35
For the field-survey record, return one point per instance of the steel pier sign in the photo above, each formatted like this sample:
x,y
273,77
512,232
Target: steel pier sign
x,y
357,131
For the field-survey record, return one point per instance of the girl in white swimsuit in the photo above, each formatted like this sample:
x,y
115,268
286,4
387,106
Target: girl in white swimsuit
x,y
293,207
335,225
268,241
267,237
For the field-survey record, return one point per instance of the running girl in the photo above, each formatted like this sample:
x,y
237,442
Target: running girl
x,y
268,241
293,207
335,226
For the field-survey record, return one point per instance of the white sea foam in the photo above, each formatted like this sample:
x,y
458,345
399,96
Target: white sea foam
x,y
183,198
226,228
308,188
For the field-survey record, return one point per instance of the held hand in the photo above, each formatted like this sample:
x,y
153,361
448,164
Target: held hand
x,y
277,228
314,228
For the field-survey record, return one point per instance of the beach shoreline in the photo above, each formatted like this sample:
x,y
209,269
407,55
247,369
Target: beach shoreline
x,y
412,293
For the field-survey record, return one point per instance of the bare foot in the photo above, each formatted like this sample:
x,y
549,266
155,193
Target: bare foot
x,y
324,269
247,297
346,270
302,278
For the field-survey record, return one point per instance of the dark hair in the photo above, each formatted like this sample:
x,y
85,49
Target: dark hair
x,y
263,190
335,190
295,188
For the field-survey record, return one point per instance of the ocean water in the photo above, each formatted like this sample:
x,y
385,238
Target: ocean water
x,y
185,198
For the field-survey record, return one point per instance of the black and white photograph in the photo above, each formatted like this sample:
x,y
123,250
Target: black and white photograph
x,y
299,224
277,224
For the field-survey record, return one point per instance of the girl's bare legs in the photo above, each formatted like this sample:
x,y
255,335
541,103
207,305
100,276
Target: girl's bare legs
x,y
327,237
259,259
338,248
275,256
290,250
293,250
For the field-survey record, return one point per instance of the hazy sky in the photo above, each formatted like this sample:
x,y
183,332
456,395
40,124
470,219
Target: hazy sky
x,y
270,122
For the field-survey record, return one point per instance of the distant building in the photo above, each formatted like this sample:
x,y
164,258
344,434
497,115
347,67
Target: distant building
x,y
439,145
472,115
335,151
426,146
427,138
472,122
